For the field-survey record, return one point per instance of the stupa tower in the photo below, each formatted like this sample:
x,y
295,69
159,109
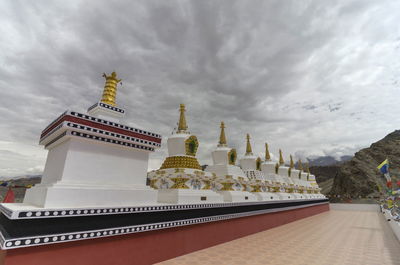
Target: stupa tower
x,y
180,177
294,173
248,161
268,167
283,171
224,158
182,147
93,159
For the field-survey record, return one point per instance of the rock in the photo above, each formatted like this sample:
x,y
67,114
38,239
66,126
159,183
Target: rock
x,y
360,176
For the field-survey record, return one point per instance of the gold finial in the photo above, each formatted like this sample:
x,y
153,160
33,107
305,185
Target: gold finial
x,y
291,162
300,166
281,161
182,127
248,146
308,168
110,89
267,155
222,138
258,163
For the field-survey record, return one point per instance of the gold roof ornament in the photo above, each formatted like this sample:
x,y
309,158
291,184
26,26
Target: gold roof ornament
x,y
182,127
110,89
281,161
291,162
258,163
308,169
267,155
248,146
222,137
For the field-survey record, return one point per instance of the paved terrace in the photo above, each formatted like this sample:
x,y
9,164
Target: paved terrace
x,y
341,236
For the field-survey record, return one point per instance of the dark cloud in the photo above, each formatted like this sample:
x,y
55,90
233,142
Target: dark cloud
x,y
288,72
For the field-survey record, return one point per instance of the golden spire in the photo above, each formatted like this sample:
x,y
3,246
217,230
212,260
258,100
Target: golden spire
x,y
267,155
182,127
110,89
308,168
300,165
248,146
222,138
281,161
291,162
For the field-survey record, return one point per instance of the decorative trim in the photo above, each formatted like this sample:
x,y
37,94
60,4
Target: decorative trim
x,y
191,145
107,106
232,156
112,141
74,212
55,121
117,135
55,139
180,162
68,114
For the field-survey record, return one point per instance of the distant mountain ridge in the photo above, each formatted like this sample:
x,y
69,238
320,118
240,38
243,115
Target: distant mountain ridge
x,y
327,160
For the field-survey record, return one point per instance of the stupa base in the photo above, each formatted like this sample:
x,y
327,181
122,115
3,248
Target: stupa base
x,y
78,196
180,196
266,196
139,248
238,196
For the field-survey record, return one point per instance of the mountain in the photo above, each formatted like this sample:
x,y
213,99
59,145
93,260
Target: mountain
x,y
327,160
360,176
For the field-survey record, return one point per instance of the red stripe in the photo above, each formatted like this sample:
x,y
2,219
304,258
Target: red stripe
x,y
102,127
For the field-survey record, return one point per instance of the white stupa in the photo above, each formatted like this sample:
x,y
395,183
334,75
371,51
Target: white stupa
x,y
268,168
294,175
251,166
180,178
93,159
231,177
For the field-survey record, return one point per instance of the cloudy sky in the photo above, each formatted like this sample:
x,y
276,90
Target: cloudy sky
x,y
310,77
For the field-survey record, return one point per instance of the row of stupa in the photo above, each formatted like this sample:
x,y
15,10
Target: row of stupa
x,y
96,160
181,178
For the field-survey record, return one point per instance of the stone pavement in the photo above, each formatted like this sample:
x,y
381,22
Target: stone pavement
x,y
334,237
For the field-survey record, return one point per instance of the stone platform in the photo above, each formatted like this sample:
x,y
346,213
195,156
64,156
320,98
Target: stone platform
x,y
345,235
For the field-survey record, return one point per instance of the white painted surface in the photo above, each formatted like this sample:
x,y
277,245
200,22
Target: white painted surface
x,y
238,196
268,168
224,170
248,162
220,155
188,196
304,176
106,114
82,172
176,144
266,196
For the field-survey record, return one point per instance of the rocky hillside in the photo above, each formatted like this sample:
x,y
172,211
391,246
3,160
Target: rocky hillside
x,y
325,175
360,177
